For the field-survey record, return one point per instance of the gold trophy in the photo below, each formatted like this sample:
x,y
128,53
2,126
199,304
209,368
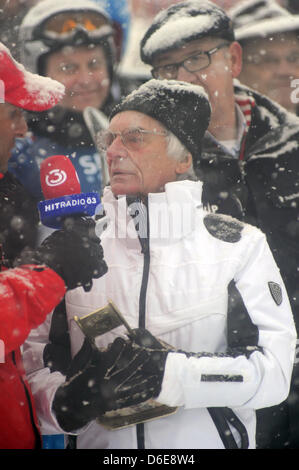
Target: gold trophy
x,y
98,323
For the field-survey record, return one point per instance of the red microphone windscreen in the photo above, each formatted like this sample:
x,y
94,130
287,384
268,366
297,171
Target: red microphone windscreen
x,y
58,177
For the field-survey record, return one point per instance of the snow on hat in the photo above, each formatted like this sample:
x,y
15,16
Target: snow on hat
x,y
184,22
261,18
25,89
182,108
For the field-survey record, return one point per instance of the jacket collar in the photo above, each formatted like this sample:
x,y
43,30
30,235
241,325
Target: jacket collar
x,y
272,131
171,214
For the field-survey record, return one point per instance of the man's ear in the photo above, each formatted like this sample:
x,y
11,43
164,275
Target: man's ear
x,y
235,50
183,166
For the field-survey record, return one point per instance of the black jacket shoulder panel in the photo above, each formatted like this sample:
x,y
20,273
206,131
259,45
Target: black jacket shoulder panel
x,y
225,228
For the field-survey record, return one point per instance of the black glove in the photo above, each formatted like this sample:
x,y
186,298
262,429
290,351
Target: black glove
x,y
110,380
75,253
156,354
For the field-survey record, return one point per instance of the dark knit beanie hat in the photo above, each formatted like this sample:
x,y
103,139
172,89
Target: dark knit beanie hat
x,y
182,108
184,22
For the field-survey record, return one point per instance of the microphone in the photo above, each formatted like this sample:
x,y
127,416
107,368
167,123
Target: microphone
x,y
62,191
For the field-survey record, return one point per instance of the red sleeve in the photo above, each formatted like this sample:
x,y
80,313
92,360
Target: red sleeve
x,y
27,295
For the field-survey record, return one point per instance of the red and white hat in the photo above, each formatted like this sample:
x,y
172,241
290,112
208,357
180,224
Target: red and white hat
x,y
24,89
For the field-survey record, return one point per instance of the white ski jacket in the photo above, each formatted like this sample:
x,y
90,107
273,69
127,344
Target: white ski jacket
x,y
177,287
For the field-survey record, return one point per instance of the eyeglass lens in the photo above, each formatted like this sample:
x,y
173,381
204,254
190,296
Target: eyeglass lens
x,y
132,139
194,63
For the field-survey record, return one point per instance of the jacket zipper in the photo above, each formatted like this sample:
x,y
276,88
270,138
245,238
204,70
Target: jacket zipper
x,y
142,308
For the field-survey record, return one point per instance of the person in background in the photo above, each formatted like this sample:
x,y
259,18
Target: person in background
x,y
32,282
11,14
249,164
171,269
73,42
269,36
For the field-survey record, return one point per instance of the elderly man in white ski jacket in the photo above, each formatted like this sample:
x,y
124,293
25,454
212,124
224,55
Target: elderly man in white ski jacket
x,y
210,334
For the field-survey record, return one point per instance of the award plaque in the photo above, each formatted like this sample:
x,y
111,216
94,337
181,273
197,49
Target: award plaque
x,y
98,323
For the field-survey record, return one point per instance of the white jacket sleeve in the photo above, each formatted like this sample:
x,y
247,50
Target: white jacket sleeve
x,y
43,383
258,378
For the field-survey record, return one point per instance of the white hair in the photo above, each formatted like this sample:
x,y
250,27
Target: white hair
x,y
179,152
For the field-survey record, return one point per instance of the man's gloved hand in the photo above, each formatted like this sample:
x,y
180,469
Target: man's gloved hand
x,y
75,253
156,355
121,376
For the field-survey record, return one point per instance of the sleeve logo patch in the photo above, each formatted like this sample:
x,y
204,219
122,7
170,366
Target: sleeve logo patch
x,y
276,292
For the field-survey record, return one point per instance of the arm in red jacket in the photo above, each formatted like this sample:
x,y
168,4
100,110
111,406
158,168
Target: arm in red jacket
x,y
27,294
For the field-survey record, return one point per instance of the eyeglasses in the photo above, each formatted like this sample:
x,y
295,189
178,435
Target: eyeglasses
x,y
132,139
65,25
270,60
193,63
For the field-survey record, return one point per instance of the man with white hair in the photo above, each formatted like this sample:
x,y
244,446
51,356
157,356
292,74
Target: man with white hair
x,y
174,273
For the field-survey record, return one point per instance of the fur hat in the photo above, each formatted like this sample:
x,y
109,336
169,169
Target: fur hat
x,y
24,89
184,22
182,108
